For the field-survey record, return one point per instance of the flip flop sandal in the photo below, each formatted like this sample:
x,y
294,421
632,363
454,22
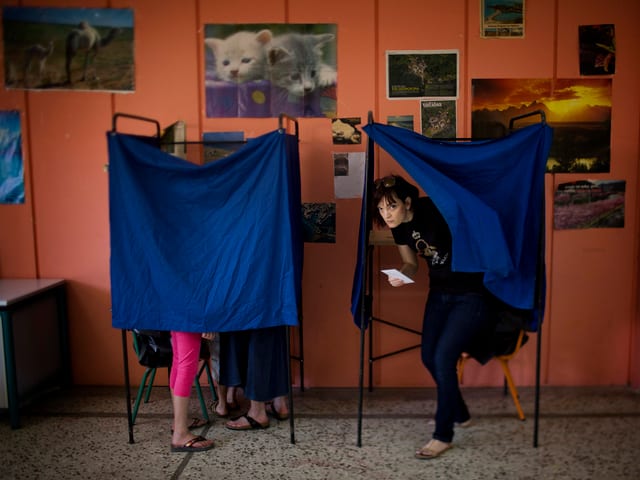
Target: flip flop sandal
x,y
197,423
190,445
252,424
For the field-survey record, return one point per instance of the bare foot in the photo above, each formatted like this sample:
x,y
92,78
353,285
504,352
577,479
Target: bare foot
x,y
434,448
220,409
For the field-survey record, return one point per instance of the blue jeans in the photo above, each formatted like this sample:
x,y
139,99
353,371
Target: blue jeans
x,y
451,322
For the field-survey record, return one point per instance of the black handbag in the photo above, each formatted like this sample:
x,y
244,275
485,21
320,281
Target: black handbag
x,y
509,322
154,348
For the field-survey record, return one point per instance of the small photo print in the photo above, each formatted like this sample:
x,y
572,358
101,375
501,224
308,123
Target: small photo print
x,y
218,145
340,164
418,74
345,131
319,222
597,49
402,121
438,118
502,18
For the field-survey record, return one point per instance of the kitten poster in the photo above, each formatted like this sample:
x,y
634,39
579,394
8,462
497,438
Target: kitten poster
x,y
68,49
263,70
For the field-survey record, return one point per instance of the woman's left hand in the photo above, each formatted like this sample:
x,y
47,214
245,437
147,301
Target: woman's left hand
x,y
396,282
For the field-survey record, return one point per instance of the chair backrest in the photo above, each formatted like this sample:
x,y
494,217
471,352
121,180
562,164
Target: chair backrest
x,y
153,348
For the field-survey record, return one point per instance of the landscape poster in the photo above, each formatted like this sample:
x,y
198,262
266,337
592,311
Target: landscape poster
x,y
578,110
11,163
68,48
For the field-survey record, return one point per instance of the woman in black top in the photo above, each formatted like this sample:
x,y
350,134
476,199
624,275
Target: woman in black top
x,y
455,312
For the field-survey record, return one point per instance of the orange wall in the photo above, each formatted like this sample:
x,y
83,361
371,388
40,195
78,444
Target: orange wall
x,y
591,333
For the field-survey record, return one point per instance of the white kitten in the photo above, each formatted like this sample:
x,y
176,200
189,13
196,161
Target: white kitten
x,y
240,57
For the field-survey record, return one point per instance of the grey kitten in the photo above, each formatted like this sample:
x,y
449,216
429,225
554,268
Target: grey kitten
x,y
295,63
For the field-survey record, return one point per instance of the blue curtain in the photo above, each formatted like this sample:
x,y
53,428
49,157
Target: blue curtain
x,y
206,248
489,192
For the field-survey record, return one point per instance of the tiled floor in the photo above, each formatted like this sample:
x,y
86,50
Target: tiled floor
x,y
583,433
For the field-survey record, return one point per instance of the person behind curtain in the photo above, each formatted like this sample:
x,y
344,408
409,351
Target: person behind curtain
x,y
227,396
455,312
256,361
186,357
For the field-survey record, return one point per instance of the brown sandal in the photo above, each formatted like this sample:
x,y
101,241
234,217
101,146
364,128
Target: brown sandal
x,y
190,445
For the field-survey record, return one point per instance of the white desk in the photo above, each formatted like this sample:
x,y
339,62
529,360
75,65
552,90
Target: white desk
x,y
34,337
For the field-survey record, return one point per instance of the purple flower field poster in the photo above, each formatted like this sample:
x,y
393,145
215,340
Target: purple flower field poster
x,y
589,204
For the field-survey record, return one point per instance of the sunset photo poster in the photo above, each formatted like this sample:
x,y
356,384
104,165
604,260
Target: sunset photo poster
x,y
578,110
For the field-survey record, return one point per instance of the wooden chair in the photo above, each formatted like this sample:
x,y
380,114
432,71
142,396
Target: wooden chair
x,y
504,363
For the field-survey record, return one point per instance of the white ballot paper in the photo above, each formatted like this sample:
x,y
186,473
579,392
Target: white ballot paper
x,y
392,272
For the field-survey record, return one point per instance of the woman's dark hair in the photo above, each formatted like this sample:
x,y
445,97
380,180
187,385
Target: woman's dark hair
x,y
384,188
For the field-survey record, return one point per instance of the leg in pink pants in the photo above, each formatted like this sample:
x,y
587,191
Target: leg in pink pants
x,y
186,354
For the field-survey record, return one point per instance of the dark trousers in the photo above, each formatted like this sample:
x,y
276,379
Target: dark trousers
x,y
451,323
255,360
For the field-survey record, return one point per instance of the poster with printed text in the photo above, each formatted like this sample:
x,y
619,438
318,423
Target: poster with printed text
x,y
438,118
348,174
419,74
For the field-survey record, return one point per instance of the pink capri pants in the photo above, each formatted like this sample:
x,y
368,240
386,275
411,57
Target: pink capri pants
x,y
186,355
